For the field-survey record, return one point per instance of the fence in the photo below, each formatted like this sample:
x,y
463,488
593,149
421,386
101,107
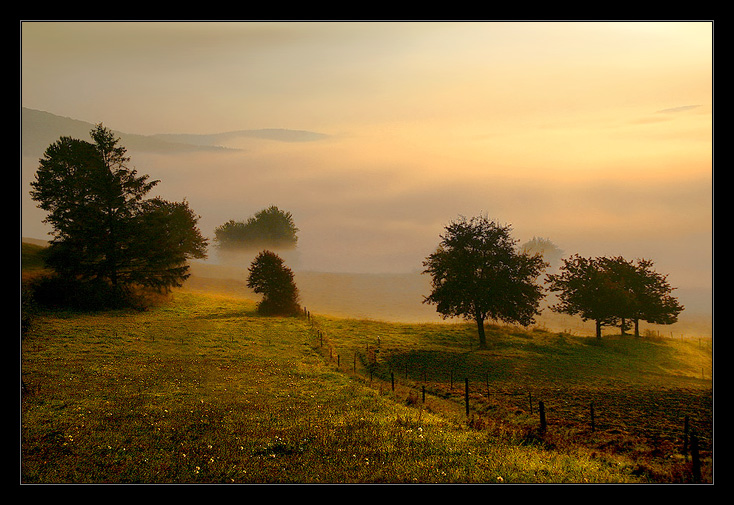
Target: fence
x,y
477,392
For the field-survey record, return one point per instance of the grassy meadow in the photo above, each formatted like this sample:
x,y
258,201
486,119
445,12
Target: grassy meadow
x,y
201,389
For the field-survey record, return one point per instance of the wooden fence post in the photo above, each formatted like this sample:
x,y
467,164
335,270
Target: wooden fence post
x,y
466,395
541,408
695,459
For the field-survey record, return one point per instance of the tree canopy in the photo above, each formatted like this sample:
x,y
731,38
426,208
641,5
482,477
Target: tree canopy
x,y
612,291
269,228
478,273
104,227
270,277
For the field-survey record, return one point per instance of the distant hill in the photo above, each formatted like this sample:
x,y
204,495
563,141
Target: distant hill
x,y
40,129
218,139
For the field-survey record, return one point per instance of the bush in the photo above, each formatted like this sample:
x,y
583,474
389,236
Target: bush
x,y
270,277
56,292
27,308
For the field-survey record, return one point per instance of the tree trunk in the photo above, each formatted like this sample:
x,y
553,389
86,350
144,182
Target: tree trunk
x,y
480,329
598,328
637,328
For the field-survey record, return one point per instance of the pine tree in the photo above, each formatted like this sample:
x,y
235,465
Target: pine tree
x,y
104,228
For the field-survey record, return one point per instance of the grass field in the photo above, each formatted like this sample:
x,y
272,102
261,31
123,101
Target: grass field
x,y
200,389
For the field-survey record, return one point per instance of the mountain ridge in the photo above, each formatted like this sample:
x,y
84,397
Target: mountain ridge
x,y
39,129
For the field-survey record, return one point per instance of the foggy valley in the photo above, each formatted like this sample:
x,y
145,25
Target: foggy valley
x,y
261,226
365,224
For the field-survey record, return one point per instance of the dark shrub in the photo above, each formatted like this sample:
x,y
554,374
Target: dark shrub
x,y
55,292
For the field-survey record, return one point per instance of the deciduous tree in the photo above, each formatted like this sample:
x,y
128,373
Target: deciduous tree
x,y
648,293
269,228
550,252
586,290
478,273
613,291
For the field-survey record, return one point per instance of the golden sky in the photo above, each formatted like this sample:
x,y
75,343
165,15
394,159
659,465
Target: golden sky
x,y
596,135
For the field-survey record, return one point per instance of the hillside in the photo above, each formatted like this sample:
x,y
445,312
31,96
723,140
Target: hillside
x,y
399,298
200,389
39,129
228,138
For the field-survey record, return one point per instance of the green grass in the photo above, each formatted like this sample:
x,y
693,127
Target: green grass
x,y
200,389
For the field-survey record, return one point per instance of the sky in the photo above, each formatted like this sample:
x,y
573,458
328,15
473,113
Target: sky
x,y
594,135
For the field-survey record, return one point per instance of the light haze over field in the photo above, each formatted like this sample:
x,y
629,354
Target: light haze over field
x,y
597,136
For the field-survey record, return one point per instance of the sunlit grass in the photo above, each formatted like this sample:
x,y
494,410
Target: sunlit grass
x,y
200,389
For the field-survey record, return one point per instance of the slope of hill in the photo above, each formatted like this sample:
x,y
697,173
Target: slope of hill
x,y
399,298
226,138
200,389
39,129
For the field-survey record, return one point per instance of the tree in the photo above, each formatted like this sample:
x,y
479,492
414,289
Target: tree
x,y
105,230
270,277
166,238
271,228
477,273
613,291
584,288
648,293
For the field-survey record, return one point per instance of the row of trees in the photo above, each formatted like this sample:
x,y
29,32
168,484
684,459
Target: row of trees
x,y
613,291
478,273
108,233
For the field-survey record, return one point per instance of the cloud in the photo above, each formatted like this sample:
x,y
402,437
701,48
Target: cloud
x,y
675,110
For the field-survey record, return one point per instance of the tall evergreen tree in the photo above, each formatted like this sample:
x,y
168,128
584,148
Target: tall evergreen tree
x,y
104,228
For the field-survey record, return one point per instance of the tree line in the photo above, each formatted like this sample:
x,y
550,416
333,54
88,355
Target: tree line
x,y
270,227
479,273
109,237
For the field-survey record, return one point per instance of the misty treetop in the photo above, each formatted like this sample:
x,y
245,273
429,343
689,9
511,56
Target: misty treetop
x,y
550,252
269,228
105,229
478,273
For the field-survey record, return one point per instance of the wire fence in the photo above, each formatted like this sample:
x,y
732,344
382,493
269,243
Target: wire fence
x,y
678,418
